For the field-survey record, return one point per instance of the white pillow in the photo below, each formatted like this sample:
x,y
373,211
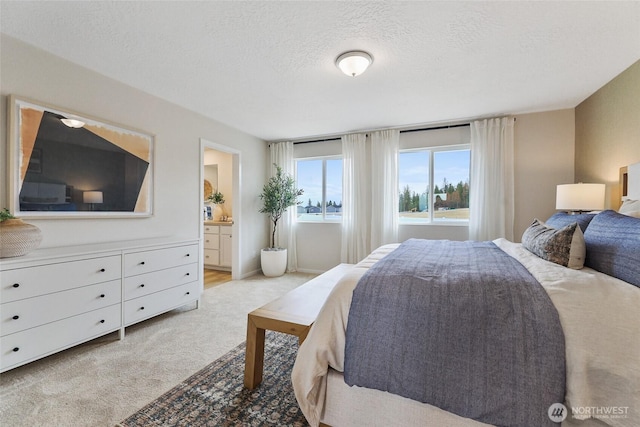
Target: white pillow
x,y
630,208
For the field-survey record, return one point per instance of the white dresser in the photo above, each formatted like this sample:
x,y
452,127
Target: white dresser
x,y
217,245
55,298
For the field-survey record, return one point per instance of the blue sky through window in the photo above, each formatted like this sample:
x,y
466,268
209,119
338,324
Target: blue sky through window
x,y
413,169
309,178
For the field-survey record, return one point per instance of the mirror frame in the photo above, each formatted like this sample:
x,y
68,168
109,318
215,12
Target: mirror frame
x,y
26,155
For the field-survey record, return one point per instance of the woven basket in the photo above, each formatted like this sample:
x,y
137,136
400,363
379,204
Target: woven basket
x,y
18,238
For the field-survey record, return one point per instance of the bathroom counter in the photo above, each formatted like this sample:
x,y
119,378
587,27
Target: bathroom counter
x,y
223,223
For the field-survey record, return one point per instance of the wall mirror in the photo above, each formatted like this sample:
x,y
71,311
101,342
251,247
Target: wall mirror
x,y
210,178
66,165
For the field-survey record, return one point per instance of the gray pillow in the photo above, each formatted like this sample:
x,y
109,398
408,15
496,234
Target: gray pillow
x,y
613,246
561,219
564,246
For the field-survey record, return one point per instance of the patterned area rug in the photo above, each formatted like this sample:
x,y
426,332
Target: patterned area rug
x,y
216,396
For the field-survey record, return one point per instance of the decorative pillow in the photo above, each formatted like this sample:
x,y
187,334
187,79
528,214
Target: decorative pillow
x,y
564,246
630,208
562,219
613,246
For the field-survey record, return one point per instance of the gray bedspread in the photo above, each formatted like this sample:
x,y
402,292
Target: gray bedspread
x,y
459,325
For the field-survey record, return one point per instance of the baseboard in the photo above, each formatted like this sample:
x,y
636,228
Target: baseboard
x,y
306,270
250,273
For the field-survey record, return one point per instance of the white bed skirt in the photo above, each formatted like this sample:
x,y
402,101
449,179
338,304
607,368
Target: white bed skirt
x,y
358,406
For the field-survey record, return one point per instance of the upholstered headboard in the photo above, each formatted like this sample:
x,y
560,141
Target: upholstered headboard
x,y
630,182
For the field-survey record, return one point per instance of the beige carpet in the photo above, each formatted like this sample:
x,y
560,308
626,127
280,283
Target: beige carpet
x,y
216,396
102,382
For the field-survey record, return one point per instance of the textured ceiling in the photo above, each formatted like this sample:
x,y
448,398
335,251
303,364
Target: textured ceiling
x,y
268,69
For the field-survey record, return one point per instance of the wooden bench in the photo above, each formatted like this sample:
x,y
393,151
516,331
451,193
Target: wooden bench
x,y
292,313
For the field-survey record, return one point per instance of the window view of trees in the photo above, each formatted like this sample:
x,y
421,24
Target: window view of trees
x,y
433,186
321,180
450,199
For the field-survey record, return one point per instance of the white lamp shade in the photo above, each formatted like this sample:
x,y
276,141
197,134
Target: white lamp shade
x,y
354,63
580,197
92,197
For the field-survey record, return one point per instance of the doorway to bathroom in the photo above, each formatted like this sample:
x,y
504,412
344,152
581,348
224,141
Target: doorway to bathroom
x,y
220,206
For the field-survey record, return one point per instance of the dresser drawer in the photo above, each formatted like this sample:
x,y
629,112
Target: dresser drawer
x,y
31,344
144,284
150,305
159,259
28,313
45,279
212,241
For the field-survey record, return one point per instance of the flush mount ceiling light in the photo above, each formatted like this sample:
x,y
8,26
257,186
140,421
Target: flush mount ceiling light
x,y
73,123
354,63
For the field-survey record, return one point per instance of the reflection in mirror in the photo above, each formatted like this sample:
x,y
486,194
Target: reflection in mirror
x,y
211,175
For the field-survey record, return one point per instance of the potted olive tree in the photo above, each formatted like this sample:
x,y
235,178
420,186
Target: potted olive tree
x,y
278,194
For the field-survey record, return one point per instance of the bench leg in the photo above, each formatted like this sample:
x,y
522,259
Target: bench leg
x,y
254,357
303,335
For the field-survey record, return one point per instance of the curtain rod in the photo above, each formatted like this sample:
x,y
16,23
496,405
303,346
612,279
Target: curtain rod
x,y
402,131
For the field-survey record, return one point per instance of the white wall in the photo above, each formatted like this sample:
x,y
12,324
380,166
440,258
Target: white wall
x,y
544,158
33,73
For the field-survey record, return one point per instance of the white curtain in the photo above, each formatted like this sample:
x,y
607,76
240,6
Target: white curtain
x,y
491,193
384,187
282,155
355,198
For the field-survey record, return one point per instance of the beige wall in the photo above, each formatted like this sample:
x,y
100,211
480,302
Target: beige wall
x,y
38,75
544,156
608,132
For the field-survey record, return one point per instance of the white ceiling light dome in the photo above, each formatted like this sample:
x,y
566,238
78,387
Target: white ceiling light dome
x,y
72,123
354,62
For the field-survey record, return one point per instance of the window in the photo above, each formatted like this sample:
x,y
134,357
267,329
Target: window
x,y
434,185
321,180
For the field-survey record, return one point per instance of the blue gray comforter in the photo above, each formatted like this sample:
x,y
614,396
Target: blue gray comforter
x,y
459,325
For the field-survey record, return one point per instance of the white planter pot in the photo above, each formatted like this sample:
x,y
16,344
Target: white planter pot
x,y
217,212
273,262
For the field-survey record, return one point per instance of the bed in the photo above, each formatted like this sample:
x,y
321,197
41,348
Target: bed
x,y
597,308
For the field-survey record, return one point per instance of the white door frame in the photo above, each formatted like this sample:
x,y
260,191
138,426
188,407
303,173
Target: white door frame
x,y
236,260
